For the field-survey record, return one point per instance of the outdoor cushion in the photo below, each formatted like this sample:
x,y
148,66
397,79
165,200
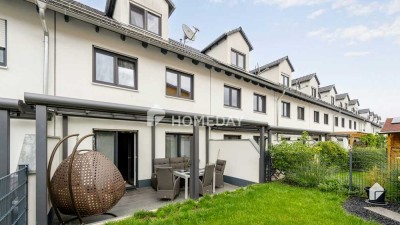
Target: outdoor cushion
x,y
164,162
177,163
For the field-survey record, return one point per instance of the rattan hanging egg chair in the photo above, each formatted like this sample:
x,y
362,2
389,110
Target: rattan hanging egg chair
x,y
84,184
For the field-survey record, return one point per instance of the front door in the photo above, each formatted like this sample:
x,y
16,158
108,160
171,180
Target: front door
x,y
120,148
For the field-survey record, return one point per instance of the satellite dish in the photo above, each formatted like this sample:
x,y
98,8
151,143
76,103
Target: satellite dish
x,y
189,34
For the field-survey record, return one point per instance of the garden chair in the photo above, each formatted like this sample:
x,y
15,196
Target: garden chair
x,y
168,186
219,173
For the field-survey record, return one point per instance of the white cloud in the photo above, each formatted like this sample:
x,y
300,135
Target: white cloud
x,y
316,14
393,7
291,3
360,33
356,54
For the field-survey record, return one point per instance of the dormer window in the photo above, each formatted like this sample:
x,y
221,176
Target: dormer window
x,y
285,80
314,92
345,105
332,100
238,59
144,19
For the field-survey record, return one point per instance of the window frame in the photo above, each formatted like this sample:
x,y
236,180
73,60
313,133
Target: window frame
x,y
316,117
336,121
285,78
237,53
263,100
332,100
313,92
115,56
350,124
326,119
232,137
298,114
283,109
145,18
239,99
343,123
178,144
4,64
355,125
179,91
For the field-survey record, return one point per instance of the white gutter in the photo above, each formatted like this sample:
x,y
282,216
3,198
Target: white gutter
x,y
42,14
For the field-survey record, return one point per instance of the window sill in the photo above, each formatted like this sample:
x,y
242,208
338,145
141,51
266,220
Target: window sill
x,y
261,113
231,107
178,98
285,117
4,67
301,120
115,87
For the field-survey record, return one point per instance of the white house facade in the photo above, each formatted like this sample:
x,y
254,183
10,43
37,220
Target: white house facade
x,y
124,56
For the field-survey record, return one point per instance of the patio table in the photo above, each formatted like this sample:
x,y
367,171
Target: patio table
x,y
186,175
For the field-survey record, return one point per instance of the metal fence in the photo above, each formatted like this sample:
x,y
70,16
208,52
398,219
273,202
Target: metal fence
x,y
14,198
355,172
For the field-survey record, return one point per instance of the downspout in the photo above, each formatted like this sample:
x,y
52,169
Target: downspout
x,y
42,15
277,105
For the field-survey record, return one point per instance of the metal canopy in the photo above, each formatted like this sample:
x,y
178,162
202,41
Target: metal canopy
x,y
107,110
288,130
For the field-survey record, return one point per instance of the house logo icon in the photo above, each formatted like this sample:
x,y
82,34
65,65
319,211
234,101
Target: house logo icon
x,y
155,114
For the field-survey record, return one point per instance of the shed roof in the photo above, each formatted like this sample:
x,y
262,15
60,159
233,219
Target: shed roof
x,y
392,125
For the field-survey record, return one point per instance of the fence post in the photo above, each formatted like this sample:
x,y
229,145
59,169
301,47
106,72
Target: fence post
x,y
350,171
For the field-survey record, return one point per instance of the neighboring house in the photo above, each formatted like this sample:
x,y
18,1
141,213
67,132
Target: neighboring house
x,y
308,85
342,101
392,129
279,71
328,94
353,105
123,56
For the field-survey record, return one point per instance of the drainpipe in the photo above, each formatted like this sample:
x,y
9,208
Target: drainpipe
x,y
277,105
42,14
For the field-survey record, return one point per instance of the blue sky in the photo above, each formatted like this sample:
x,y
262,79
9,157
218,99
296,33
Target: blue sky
x,y
354,44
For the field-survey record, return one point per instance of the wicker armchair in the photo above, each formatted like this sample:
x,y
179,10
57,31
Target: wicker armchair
x,y
219,173
206,185
168,186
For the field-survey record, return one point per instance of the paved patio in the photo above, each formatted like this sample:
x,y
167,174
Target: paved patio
x,y
139,199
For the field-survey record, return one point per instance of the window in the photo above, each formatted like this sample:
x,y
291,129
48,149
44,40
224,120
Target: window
x,y
231,97
285,80
114,69
238,59
355,125
332,100
341,105
350,124
179,84
285,138
345,105
3,42
300,113
314,92
343,122
316,116
259,103
178,145
336,121
286,109
232,137
145,20
326,119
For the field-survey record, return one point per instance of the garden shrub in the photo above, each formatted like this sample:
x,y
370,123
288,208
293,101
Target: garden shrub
x,y
365,158
332,154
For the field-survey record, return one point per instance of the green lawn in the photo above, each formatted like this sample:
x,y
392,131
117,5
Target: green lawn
x,y
274,203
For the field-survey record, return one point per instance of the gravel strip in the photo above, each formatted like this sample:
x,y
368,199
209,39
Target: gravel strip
x,y
355,205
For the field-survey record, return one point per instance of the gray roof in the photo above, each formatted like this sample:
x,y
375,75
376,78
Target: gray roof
x,y
305,79
342,96
224,36
354,101
327,88
362,111
272,65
